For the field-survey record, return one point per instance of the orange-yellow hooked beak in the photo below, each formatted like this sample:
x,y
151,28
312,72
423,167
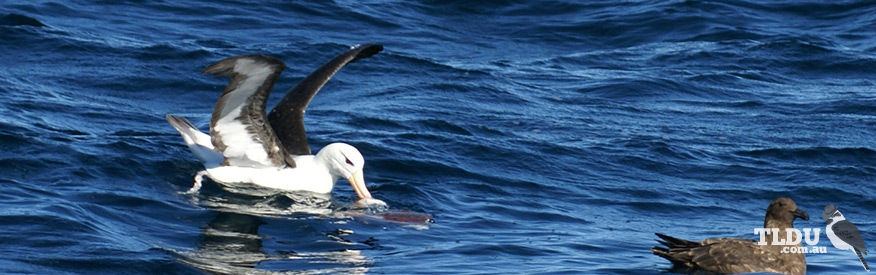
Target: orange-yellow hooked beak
x,y
358,183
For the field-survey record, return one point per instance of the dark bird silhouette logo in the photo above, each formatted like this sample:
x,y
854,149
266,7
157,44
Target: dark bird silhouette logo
x,y
843,234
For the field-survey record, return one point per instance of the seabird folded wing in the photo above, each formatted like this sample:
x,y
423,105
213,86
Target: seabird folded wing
x,y
848,232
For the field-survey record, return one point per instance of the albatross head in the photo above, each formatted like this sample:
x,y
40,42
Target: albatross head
x,y
345,161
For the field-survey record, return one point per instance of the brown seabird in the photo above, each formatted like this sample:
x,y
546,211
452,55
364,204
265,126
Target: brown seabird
x,y
736,255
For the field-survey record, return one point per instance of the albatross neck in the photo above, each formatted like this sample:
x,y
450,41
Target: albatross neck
x,y
323,159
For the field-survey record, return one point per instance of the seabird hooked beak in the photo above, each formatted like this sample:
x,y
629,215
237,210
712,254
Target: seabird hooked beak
x,y
365,199
800,214
358,183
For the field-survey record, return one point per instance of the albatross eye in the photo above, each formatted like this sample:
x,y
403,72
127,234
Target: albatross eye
x,y
348,161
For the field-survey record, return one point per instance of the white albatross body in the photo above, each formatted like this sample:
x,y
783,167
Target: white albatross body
x,y
246,146
312,173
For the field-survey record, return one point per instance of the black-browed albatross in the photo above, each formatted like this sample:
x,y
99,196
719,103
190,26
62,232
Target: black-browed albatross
x,y
245,146
736,255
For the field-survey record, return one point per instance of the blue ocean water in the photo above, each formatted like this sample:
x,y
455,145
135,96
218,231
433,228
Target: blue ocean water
x,y
543,136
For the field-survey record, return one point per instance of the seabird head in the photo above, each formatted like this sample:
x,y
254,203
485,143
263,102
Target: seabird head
x,y
784,210
344,160
831,213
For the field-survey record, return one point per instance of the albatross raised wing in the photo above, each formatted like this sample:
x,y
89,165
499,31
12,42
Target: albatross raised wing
x,y
287,118
238,127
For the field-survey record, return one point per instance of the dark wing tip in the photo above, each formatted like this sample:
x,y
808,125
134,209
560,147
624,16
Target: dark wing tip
x,y
179,122
667,238
673,242
660,251
225,67
366,50
669,255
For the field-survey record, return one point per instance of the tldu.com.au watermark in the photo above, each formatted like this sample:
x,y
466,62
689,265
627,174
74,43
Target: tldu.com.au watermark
x,y
793,236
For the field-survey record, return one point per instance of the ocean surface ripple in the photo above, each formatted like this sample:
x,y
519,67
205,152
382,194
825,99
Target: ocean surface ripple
x,y
543,136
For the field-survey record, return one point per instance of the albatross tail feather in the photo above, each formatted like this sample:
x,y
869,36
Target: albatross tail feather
x,y
183,126
199,143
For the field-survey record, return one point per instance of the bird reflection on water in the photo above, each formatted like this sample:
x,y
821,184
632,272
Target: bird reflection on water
x,y
231,242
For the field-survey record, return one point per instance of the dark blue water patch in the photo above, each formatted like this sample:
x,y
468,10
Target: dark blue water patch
x,y
50,8
166,52
366,15
13,137
45,41
861,106
162,10
818,155
21,168
19,192
727,33
500,186
377,123
404,193
44,223
121,201
822,11
61,131
425,65
119,262
503,250
805,56
625,88
13,19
